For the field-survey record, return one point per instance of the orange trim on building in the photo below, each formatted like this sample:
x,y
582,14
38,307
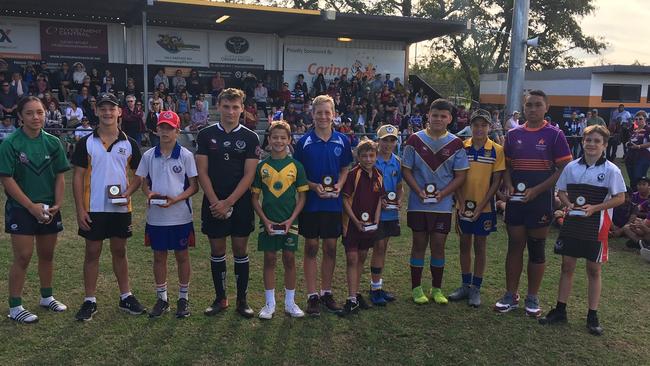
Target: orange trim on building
x,y
593,101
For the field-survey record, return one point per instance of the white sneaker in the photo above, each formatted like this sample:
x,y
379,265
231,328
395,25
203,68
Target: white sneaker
x,y
294,311
267,312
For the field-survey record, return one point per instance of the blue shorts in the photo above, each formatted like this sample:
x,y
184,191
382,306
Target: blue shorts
x,y
174,237
483,226
535,214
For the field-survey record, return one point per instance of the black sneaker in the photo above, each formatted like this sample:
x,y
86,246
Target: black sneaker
x,y
132,306
594,327
218,305
553,317
159,308
313,306
330,304
244,310
88,309
363,304
387,296
349,308
182,308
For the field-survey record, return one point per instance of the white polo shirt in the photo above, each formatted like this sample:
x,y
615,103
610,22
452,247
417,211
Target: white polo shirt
x,y
597,183
105,165
168,176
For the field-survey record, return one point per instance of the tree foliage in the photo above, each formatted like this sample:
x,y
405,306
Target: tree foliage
x,y
486,47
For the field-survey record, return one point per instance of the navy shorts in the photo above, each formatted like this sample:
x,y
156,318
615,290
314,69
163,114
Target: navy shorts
x,y
483,226
322,224
20,222
174,237
535,214
430,222
387,229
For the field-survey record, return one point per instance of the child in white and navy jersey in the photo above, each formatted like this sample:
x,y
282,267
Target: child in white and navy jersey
x,y
590,187
169,174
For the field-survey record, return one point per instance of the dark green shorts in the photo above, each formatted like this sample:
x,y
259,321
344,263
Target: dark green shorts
x,y
273,243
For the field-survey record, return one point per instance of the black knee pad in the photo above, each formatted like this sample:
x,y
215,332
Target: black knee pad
x,y
536,250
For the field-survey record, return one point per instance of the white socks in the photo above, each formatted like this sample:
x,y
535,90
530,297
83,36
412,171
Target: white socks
x,y
270,297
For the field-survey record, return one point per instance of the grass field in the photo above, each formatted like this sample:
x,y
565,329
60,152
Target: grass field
x,y
401,333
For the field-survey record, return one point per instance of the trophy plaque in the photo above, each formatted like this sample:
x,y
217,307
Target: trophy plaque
x,y
115,194
391,201
366,223
577,207
430,191
328,185
518,195
468,211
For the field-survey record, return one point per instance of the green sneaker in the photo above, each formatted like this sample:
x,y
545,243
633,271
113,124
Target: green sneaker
x,y
419,297
438,297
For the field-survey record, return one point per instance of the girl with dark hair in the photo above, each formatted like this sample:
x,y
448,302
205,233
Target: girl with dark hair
x,y
34,197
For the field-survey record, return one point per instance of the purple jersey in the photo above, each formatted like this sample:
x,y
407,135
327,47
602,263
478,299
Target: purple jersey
x,y
533,153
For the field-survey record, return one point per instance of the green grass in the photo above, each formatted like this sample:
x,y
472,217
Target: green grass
x,y
401,333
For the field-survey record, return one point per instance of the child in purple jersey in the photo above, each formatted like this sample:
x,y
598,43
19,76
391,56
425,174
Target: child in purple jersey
x,y
536,153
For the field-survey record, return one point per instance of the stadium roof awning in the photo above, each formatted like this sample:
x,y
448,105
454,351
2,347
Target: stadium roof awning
x,y
202,14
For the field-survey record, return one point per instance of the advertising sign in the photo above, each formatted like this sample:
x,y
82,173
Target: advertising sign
x,y
239,48
333,62
177,47
19,39
77,41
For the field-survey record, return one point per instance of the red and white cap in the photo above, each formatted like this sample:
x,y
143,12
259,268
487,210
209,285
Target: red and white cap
x,y
169,118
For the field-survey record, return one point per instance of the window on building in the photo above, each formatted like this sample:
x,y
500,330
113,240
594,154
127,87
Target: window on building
x,y
630,93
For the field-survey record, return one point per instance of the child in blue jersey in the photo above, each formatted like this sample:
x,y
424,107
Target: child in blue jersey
x,y
390,166
433,159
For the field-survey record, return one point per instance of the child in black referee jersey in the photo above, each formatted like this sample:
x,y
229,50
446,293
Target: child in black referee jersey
x,y
590,187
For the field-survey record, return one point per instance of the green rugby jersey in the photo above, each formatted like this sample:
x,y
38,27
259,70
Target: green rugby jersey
x,y
278,180
33,163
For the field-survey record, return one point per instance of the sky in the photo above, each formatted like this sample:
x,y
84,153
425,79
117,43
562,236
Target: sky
x,y
622,24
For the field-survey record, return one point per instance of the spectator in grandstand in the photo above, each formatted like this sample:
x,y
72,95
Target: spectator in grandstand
x,y
83,129
42,85
250,116
183,103
65,81
513,121
178,82
302,83
169,104
200,117
95,81
82,99
637,160
285,95
47,98
155,97
53,118
595,119
162,90
415,121
462,117
108,83
78,74
92,112
8,99
389,83
6,128
204,103
496,130
261,96
320,87
160,77
73,114
131,89
218,84
44,70
399,87
132,119
152,122
18,85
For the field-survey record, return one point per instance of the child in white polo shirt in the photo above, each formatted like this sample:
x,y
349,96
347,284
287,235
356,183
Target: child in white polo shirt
x,y
169,174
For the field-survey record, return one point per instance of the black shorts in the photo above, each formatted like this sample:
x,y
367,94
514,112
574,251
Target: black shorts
x,y
591,250
106,225
387,229
321,224
535,214
20,222
239,224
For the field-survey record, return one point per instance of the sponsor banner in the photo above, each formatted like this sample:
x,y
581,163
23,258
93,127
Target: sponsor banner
x,y
333,62
19,39
239,48
78,41
177,47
